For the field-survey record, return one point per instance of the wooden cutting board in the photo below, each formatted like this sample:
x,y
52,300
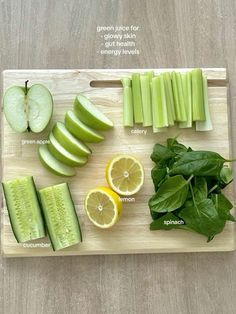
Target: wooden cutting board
x,y
131,234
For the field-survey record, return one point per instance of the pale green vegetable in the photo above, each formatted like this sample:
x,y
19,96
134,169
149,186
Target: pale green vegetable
x,y
178,97
187,91
137,98
160,118
207,124
128,109
146,100
197,96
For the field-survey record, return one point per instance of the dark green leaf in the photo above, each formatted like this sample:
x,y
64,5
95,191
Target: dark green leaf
x,y
198,163
223,206
226,176
171,195
175,146
158,174
161,152
200,188
156,215
167,222
203,218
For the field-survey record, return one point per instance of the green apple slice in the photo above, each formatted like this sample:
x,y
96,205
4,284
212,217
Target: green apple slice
x,y
28,108
68,141
61,154
80,130
54,165
91,115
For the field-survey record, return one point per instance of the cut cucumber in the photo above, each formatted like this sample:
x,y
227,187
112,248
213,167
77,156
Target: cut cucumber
x,y
54,165
69,142
91,115
80,130
61,154
24,210
60,216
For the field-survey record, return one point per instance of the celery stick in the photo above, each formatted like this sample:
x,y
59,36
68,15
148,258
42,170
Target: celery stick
x,y
207,124
154,112
178,108
169,92
137,98
197,96
146,100
159,130
150,75
128,113
187,90
167,101
183,114
160,118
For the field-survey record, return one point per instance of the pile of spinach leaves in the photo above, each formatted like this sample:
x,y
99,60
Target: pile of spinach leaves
x,y
188,189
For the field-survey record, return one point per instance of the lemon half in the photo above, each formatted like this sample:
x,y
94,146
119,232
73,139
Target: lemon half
x,y
125,175
103,207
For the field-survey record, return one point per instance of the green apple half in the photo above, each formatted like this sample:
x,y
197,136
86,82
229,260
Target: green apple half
x,y
28,108
68,141
91,115
61,154
80,130
54,165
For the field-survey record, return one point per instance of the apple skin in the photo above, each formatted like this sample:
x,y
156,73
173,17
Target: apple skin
x,y
91,115
53,165
61,154
80,130
69,142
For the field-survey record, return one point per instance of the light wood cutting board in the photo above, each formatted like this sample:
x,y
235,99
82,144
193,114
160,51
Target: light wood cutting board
x,y
131,234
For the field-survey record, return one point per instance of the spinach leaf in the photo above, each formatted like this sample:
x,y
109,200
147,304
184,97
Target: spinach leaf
x,y
225,177
198,163
158,174
171,195
156,215
200,188
175,146
161,152
167,222
203,218
223,206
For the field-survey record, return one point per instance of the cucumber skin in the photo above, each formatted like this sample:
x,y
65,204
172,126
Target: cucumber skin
x,y
77,220
4,192
81,236
9,212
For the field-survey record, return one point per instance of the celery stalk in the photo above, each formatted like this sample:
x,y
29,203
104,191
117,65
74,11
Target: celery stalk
x,y
197,94
167,100
178,97
169,92
187,90
150,74
207,124
137,98
160,118
146,100
183,114
154,112
128,113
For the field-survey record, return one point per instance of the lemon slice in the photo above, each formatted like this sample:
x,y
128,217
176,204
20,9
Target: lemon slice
x,y
125,174
103,207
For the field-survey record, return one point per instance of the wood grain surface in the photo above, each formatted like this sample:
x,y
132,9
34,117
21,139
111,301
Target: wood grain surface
x,y
131,234
62,34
